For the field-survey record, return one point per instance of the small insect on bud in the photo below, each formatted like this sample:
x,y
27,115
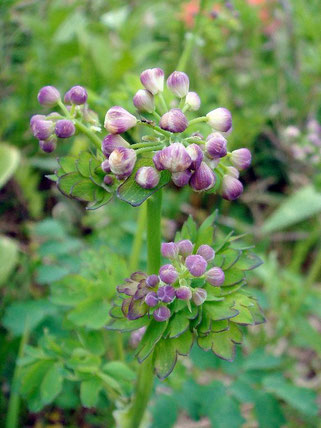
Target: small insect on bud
x,y
178,83
215,276
168,274
193,101
153,80
181,179
42,128
144,101
196,155
119,120
108,180
48,96
147,177
241,158
174,121
206,252
77,95
166,293
151,299
196,265
185,247
112,142
122,161
233,172
169,250
216,146
64,128
183,293
152,281
174,158
49,145
232,188
220,119
161,314
105,166
203,178
199,296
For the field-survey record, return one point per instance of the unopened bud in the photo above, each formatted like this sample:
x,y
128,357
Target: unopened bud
x,y
185,247
119,120
153,80
203,178
151,299
174,121
196,265
199,296
168,274
174,158
184,293
122,161
77,95
215,276
112,142
147,177
48,96
220,119
49,145
144,101
181,179
232,188
178,83
169,250
64,128
193,101
196,155
206,252
161,314
166,293
216,145
241,158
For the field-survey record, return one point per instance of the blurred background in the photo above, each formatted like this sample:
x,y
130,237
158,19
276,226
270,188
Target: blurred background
x,y
259,58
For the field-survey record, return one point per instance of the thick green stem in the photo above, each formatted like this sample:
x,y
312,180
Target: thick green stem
x,y
91,135
198,120
155,128
138,239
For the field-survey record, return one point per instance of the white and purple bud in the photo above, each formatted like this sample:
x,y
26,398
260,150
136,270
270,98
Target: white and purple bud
x,y
108,180
199,296
153,80
241,158
147,177
67,99
152,281
77,95
144,101
216,146
183,293
48,96
166,293
105,166
112,142
169,250
203,178
49,145
233,172
64,128
119,120
35,118
161,314
174,121
151,299
122,161
193,101
232,188
206,252
215,276
181,179
185,247
42,129
196,155
220,119
174,158
178,83
196,264
168,274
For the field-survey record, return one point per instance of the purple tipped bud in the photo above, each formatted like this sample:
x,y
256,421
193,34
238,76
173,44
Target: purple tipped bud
x,y
147,177
67,99
48,96
220,119
196,155
181,179
216,145
233,172
77,95
168,274
203,178
183,293
169,250
178,83
196,265
199,296
215,276
185,247
108,180
151,299
153,80
49,145
152,281
122,161
166,293
161,314
64,128
174,158
157,161
112,142
144,101
241,158
42,129
174,121
206,252
105,166
119,120
232,188
193,101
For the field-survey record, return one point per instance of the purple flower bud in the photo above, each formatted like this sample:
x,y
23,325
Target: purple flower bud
x,y
118,120
112,142
196,265
232,188
144,101
35,118
181,179
216,146
183,293
151,299
193,101
174,158
166,293
203,178
54,115
49,145
152,281
174,121
233,172
108,180
67,99
206,252
122,161
105,166
196,155
147,177
157,161
199,296
64,128
185,247
220,119
168,274
169,250
162,314
77,95
42,129
153,80
48,96
241,158
215,276
178,83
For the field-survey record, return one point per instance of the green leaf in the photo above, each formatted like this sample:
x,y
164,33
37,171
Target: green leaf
x,y
92,313
82,164
268,411
68,164
260,360
70,290
233,276
225,413
89,391
52,383
152,335
164,412
8,257
125,325
223,343
84,190
230,257
9,160
218,311
179,323
93,341
119,371
248,261
67,181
